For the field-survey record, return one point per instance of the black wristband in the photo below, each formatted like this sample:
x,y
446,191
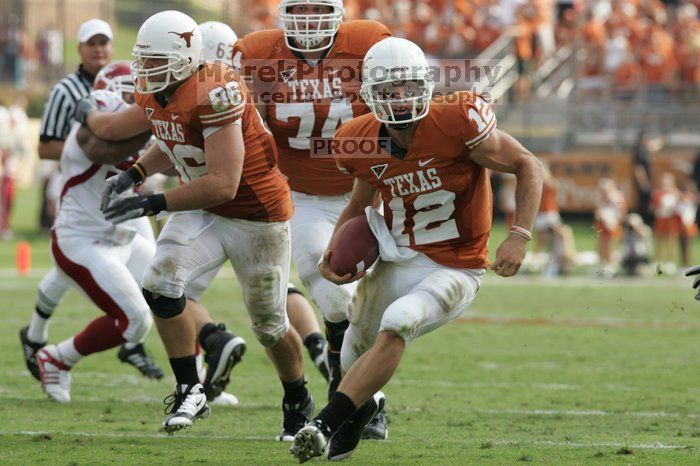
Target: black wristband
x,y
136,173
157,202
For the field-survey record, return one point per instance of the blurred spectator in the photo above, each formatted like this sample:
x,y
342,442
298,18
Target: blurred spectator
x,y
686,211
641,171
627,78
14,150
636,245
664,201
610,212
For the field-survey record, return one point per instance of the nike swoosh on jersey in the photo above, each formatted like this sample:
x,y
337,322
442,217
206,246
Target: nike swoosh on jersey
x,y
423,163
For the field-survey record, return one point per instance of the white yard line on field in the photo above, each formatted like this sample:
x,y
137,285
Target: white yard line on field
x,y
498,442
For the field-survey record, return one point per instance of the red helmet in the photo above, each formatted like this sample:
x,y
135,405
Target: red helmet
x,y
115,77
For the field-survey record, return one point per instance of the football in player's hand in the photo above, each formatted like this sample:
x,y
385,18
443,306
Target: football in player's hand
x,y
354,247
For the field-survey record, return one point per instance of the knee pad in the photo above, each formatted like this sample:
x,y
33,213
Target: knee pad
x,y
139,327
270,331
164,307
331,299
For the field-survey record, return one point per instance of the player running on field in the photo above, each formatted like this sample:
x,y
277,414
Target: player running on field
x,y
316,58
234,203
433,181
104,261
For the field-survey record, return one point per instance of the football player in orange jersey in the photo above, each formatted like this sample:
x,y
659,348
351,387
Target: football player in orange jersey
x,y
307,77
429,166
234,204
218,40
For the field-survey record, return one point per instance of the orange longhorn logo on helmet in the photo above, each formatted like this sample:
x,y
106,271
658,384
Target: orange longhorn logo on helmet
x,y
187,36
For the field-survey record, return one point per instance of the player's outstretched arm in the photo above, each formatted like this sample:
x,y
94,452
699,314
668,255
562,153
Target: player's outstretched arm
x,y
363,195
224,152
503,153
112,126
109,152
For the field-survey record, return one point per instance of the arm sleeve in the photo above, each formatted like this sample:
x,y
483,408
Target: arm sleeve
x,y
57,116
479,121
223,104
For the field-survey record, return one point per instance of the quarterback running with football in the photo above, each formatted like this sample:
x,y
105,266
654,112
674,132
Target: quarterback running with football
x,y
234,204
317,59
431,174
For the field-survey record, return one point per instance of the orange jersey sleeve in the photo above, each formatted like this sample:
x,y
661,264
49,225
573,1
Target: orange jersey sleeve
x,y
214,97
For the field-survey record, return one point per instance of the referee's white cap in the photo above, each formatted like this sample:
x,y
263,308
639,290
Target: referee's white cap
x,y
92,28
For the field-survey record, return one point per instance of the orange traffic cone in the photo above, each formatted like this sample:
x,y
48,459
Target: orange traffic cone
x,y
24,258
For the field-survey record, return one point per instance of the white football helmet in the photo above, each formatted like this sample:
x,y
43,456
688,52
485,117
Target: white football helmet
x,y
107,100
393,61
308,31
217,42
171,35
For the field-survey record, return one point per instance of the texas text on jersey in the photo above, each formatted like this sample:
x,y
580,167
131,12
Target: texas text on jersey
x,y
214,97
436,200
305,104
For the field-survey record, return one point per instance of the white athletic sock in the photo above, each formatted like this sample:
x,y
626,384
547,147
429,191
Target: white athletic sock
x,y
38,331
67,352
130,346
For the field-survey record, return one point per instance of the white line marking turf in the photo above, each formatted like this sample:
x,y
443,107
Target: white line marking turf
x,y
513,443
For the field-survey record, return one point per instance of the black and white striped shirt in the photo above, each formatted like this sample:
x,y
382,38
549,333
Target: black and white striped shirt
x,y
57,119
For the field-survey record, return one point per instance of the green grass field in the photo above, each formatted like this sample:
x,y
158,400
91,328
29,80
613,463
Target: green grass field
x,y
574,371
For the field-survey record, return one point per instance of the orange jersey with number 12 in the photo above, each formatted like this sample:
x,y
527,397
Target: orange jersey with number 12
x,y
436,200
305,104
213,97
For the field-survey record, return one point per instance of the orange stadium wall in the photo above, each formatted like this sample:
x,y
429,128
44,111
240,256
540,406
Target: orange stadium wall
x,y
578,173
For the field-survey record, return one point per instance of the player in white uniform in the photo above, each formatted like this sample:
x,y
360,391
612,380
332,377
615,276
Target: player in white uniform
x,y
104,261
115,77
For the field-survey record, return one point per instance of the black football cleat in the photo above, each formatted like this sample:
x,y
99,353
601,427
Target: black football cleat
x,y
29,348
344,442
225,351
295,417
138,358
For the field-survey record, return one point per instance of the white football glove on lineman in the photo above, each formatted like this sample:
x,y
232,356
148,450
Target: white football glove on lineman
x,y
696,283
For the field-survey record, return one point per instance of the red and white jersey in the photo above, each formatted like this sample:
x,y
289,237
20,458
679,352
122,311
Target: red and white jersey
x,y
437,201
212,98
305,104
82,183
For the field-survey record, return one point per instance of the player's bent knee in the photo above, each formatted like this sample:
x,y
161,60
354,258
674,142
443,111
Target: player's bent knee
x,y
404,317
270,332
139,326
164,307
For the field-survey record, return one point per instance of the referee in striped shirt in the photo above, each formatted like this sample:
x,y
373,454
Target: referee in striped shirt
x,y
95,50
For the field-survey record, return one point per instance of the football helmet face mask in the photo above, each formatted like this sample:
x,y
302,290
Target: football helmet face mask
x,y
167,50
217,42
116,77
396,82
306,32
